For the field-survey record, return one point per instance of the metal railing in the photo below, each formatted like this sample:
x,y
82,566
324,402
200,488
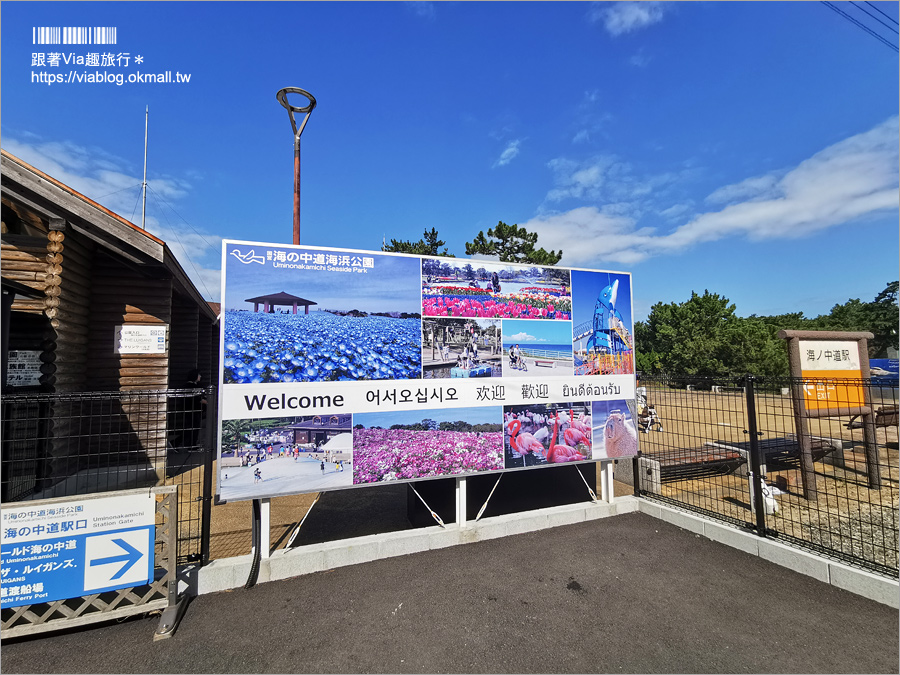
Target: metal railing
x,y
68,444
723,446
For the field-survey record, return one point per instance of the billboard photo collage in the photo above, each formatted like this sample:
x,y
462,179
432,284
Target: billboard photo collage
x,y
302,316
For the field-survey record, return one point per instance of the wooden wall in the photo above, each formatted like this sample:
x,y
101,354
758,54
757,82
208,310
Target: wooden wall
x,y
67,305
87,290
24,260
136,429
119,296
183,341
204,353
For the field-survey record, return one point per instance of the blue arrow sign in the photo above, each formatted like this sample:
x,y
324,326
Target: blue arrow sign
x,y
130,557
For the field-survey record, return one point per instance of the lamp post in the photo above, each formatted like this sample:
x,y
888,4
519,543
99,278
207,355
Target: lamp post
x,y
306,110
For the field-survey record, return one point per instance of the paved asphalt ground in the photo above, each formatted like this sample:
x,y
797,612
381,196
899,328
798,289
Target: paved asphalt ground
x,y
626,594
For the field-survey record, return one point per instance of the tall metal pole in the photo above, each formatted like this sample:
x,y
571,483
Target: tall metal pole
x,y
260,522
296,189
307,110
144,184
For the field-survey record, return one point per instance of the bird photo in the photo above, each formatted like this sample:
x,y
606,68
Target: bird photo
x,y
546,434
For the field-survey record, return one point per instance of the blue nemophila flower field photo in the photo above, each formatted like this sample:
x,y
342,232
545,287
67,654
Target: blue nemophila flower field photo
x,y
319,347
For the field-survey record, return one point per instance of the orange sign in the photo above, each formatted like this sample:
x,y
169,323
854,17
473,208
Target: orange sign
x,y
825,363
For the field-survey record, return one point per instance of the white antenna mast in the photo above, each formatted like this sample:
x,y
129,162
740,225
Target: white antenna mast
x,y
144,184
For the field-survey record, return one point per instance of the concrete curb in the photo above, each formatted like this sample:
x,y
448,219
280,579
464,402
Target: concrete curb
x,y
230,573
868,585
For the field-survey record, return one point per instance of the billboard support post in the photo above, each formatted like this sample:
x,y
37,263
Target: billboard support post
x,y
606,486
265,512
461,502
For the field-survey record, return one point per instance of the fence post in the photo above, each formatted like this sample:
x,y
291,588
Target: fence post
x,y
212,437
755,459
635,476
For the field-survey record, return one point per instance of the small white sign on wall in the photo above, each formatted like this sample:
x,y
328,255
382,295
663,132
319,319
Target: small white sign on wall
x,y
24,368
139,339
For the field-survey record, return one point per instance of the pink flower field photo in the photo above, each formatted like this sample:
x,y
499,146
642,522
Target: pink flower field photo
x,y
426,444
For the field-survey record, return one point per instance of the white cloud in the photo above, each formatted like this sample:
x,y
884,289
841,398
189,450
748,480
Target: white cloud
x,y
676,211
583,136
619,18
520,337
508,154
106,180
758,187
423,9
600,178
586,234
854,178
590,123
640,60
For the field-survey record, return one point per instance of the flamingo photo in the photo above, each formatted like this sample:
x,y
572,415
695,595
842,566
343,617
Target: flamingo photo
x,y
523,443
560,452
539,434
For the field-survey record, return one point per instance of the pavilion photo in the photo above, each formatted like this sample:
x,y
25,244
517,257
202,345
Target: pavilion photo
x,y
365,321
273,300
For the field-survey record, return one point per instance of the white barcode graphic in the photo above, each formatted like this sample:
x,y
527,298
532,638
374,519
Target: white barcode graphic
x,y
73,35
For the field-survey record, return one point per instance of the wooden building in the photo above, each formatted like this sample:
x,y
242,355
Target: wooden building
x,y
93,303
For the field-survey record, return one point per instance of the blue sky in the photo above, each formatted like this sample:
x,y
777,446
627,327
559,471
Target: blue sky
x,y
535,333
391,284
746,148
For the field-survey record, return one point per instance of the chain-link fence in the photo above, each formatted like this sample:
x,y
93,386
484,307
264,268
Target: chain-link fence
x,y
828,484
62,445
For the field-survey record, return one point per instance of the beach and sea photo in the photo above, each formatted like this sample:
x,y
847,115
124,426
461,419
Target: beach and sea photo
x,y
534,348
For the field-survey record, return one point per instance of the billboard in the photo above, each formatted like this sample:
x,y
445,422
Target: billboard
x,y
343,368
884,372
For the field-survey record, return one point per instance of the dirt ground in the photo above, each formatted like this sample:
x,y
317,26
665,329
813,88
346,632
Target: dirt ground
x,y
848,515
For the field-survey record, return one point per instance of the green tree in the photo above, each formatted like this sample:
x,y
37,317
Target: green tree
x,y
231,434
885,315
703,336
688,338
880,317
647,359
428,245
511,243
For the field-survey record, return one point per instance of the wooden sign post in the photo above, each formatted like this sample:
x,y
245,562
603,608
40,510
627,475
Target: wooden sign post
x,y
828,369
